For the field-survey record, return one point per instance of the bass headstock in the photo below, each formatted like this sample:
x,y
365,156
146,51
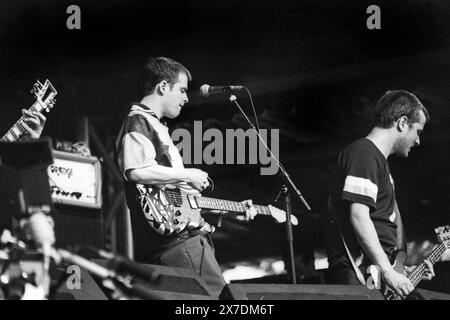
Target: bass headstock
x,y
443,235
45,95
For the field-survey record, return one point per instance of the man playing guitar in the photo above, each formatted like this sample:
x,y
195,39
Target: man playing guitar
x,y
148,157
33,123
365,226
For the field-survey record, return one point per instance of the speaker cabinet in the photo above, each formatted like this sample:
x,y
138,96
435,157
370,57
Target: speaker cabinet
x,y
298,292
72,288
155,282
168,283
433,295
78,226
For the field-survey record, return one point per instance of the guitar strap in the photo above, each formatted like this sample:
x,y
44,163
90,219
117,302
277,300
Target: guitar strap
x,y
358,272
122,128
143,106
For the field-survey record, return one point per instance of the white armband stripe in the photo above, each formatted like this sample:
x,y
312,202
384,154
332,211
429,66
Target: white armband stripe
x,y
361,186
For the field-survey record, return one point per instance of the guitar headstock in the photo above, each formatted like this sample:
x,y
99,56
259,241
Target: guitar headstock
x,y
281,217
443,234
45,95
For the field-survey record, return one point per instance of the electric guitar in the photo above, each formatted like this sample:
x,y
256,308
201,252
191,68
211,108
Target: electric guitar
x,y
374,280
45,100
171,210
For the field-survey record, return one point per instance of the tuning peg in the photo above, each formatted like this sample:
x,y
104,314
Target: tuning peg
x,y
36,90
51,103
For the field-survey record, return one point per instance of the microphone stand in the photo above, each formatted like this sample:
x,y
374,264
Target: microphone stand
x,y
284,191
122,287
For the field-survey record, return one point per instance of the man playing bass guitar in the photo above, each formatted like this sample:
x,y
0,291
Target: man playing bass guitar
x,y
365,223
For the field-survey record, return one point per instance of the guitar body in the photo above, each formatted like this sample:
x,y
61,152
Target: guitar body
x,y
398,260
374,279
169,210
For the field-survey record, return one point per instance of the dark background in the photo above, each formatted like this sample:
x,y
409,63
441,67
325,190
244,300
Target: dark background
x,y
313,67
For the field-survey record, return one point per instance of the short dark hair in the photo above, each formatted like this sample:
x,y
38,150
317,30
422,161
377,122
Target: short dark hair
x,y
158,69
395,104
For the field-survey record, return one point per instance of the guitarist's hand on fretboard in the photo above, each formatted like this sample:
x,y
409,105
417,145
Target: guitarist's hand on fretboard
x,y
429,272
250,211
33,123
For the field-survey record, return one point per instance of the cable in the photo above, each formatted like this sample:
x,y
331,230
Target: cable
x,y
253,107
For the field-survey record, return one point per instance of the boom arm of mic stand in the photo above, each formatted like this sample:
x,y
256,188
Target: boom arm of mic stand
x,y
294,187
233,99
110,278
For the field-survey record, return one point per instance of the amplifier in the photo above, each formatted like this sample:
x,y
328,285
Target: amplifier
x,y
75,180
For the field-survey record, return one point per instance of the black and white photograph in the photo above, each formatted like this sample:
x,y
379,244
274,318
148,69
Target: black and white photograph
x,y
226,151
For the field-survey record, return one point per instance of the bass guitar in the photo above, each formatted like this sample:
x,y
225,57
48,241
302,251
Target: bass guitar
x,y
374,280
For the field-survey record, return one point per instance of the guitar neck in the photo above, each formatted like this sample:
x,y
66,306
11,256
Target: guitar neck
x,y
416,275
17,130
226,205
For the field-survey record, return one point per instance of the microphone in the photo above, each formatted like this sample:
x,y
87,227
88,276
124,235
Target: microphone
x,y
40,228
42,232
207,90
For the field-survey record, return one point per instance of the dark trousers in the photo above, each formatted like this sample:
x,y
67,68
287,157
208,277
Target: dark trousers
x,y
342,274
195,254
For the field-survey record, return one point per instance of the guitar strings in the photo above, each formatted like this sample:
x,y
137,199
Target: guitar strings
x,y
422,267
177,196
414,275
434,256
